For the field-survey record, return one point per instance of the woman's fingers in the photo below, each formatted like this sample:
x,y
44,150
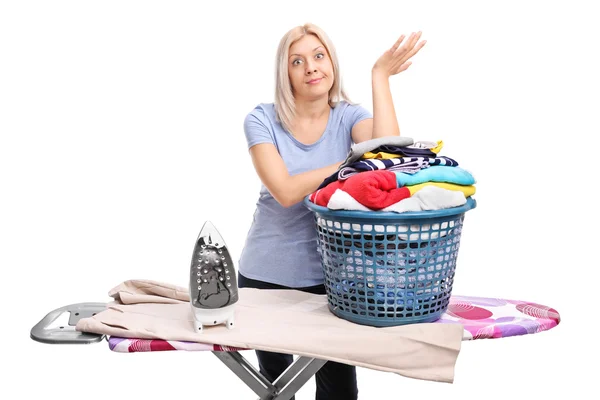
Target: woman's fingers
x,y
414,51
401,58
409,44
415,39
397,44
404,66
403,49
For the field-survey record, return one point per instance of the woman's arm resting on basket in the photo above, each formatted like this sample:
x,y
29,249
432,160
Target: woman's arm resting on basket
x,y
392,62
285,188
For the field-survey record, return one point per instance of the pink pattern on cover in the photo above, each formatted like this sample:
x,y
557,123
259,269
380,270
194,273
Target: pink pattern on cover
x,y
481,317
129,345
489,318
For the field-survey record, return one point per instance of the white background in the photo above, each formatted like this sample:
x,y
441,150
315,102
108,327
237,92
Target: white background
x,y
122,132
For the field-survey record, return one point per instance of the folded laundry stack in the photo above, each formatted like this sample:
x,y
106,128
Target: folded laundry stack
x,y
396,174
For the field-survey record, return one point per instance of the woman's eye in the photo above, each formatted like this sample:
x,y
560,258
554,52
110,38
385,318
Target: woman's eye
x,y
298,61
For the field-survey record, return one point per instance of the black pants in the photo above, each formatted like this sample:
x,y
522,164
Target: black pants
x,y
334,381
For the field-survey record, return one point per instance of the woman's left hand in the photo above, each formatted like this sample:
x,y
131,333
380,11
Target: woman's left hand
x,y
395,60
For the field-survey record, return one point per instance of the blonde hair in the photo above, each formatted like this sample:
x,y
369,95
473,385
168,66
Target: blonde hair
x,y
285,106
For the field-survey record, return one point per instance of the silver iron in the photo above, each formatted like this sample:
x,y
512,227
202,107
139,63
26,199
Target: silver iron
x,y
213,282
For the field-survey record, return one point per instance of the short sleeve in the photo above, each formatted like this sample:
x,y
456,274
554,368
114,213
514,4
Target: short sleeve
x,y
255,129
354,114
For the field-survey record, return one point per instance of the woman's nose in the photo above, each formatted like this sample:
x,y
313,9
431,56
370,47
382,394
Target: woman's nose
x,y
310,68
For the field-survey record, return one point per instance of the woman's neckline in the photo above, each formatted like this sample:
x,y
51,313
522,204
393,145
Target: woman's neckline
x,y
321,138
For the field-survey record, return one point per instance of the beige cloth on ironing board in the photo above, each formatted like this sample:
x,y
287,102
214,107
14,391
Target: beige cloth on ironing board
x,y
284,321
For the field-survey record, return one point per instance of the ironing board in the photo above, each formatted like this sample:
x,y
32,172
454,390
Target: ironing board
x,y
481,318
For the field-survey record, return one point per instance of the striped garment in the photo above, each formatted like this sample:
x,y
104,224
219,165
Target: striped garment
x,y
405,151
404,164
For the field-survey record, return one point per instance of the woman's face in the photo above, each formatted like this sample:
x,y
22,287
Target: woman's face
x,y
310,68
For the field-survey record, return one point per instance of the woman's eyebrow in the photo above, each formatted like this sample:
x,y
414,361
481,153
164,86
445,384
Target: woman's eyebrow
x,y
315,49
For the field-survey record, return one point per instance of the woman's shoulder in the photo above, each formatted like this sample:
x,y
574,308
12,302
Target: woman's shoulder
x,y
261,118
344,107
341,105
262,110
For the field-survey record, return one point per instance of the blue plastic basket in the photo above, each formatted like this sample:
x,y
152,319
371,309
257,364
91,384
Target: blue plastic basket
x,y
386,268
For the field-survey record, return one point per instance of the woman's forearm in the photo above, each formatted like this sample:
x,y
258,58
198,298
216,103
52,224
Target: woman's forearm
x,y
305,183
384,114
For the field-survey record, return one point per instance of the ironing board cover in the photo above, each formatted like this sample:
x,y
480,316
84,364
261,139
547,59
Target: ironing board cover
x,y
481,317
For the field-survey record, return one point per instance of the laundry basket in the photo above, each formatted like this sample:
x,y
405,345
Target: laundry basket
x,y
386,268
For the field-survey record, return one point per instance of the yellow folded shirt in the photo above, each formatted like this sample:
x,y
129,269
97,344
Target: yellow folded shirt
x,y
468,190
381,155
436,149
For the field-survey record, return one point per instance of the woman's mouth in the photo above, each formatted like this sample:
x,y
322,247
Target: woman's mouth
x,y
315,81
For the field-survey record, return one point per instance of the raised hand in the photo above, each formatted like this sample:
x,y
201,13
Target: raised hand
x,y
396,59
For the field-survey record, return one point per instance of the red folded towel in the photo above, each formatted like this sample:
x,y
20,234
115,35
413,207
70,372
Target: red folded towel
x,y
373,189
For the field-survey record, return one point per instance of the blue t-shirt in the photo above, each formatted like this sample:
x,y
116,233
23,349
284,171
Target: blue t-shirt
x,y
281,246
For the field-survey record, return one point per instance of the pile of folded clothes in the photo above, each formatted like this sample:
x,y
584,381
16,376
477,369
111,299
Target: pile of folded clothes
x,y
395,174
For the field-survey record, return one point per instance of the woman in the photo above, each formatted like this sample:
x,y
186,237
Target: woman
x,y
295,144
